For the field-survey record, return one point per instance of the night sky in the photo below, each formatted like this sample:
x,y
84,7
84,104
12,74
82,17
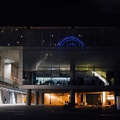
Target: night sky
x,y
60,13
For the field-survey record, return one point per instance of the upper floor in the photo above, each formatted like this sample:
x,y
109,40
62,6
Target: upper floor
x,y
44,56
51,36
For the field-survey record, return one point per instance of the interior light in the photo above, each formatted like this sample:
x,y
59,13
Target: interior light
x,y
104,97
2,31
80,35
18,91
100,77
8,44
9,61
110,97
17,41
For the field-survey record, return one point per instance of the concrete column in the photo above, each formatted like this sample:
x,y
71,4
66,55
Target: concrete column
x,y
1,78
117,82
78,98
72,80
101,97
33,77
41,98
117,71
76,95
72,97
72,71
1,100
20,98
28,97
84,98
29,77
36,97
1,69
117,99
20,71
12,98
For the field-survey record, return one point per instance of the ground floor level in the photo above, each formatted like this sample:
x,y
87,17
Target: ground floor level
x,y
35,97
79,98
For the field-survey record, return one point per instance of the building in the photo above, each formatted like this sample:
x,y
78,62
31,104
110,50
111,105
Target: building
x,y
51,65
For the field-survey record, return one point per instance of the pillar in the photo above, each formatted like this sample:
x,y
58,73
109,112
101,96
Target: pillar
x,y
28,97
76,97
72,97
72,71
20,71
20,98
117,82
36,97
1,77
41,98
117,71
84,98
33,77
117,99
12,97
1,100
1,69
72,81
101,97
29,77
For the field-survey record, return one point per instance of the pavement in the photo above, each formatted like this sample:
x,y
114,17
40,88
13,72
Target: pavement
x,y
53,112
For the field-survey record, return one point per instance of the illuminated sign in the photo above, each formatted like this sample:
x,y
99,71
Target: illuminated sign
x,y
70,41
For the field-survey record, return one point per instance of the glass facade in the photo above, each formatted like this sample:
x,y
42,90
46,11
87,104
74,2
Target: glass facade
x,y
48,51
50,36
64,56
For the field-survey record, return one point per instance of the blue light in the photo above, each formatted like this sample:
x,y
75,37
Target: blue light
x,y
70,41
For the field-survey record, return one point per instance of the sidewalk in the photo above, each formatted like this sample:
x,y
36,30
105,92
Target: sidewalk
x,y
46,112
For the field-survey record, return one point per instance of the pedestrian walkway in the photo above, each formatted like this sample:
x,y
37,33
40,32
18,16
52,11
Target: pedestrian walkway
x,y
47,112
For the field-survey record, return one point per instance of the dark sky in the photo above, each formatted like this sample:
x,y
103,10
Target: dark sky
x,y
60,13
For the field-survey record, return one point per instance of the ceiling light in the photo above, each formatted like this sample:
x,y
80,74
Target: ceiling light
x,y
9,61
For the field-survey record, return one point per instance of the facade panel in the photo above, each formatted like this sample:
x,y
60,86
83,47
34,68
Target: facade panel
x,y
68,61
